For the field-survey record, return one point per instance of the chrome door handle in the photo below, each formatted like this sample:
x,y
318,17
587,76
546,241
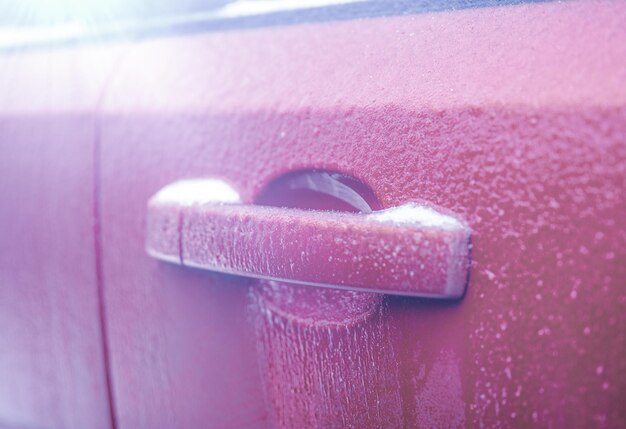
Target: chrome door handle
x,y
412,249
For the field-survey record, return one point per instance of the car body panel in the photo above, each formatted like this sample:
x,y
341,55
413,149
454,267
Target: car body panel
x,y
506,116
52,368
511,117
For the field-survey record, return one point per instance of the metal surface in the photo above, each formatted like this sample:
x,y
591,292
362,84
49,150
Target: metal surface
x,y
520,132
512,117
52,366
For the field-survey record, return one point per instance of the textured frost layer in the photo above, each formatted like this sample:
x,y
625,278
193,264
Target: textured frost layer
x,y
418,215
318,373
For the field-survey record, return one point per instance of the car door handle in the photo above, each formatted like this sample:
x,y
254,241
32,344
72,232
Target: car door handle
x,y
412,249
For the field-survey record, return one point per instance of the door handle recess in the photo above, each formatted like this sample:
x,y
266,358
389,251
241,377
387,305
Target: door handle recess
x,y
412,249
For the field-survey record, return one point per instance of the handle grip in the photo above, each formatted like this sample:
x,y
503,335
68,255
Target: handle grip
x,y
411,249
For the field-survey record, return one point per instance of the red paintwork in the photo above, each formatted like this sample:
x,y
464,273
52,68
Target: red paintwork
x,y
325,357
52,373
512,117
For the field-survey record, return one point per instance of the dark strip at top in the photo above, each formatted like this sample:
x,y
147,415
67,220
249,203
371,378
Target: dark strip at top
x,y
144,20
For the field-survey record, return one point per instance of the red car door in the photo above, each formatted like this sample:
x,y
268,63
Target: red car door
x,y
511,118
453,175
52,370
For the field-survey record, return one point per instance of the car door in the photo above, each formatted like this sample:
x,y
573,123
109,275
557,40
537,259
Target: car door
x,y
510,118
52,367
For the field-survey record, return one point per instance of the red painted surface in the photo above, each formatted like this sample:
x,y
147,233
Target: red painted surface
x,y
325,357
512,117
52,373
